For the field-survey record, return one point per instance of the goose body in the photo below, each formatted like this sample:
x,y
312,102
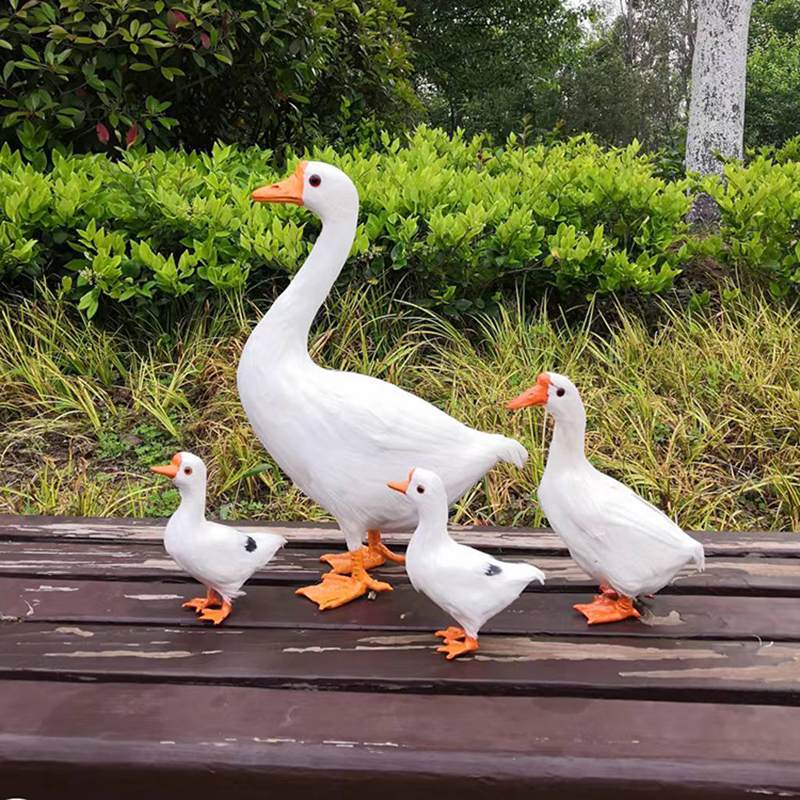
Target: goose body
x,y
341,436
220,557
626,544
471,586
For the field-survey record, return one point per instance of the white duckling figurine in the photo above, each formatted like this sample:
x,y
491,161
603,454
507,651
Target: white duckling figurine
x,y
340,435
220,557
626,544
469,585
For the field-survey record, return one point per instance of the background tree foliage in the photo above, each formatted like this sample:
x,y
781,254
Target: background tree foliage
x,y
773,73
631,77
109,73
95,74
483,65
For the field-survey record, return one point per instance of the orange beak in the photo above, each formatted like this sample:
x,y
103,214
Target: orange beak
x,y
289,190
401,486
169,470
535,396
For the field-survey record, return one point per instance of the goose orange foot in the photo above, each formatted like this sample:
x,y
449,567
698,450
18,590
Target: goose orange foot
x,y
606,593
337,590
455,648
201,603
452,634
376,554
217,615
605,609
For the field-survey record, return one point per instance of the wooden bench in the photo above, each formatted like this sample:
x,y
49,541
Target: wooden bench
x,y
108,689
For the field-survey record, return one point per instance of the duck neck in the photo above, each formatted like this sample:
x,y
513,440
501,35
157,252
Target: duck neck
x,y
432,526
289,320
193,504
568,445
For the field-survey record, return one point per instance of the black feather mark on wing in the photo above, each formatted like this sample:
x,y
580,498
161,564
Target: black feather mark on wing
x,y
493,569
250,544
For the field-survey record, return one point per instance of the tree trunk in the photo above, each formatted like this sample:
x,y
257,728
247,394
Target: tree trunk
x,y
716,111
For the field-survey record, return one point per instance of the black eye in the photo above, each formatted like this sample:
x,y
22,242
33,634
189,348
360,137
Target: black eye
x,y
421,489
561,392
315,180
187,470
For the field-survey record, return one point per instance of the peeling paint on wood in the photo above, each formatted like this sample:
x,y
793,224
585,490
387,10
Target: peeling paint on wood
x,y
75,632
153,596
672,619
519,649
122,654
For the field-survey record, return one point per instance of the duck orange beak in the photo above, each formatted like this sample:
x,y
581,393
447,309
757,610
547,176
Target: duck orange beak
x,y
535,396
289,190
401,486
169,470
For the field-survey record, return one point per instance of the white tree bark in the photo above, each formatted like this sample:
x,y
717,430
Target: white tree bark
x,y
716,111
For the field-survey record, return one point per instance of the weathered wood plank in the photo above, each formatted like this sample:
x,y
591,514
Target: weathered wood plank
x,y
671,670
493,539
296,566
124,742
113,740
127,603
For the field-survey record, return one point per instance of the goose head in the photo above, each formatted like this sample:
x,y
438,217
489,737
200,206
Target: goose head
x,y
187,471
557,394
423,488
320,187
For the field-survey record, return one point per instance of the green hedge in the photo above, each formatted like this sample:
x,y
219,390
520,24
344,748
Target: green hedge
x,y
760,205
455,223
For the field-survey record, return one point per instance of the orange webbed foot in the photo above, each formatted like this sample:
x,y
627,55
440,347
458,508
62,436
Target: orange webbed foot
x,y
605,609
375,554
199,604
217,615
454,648
337,590
452,634
607,592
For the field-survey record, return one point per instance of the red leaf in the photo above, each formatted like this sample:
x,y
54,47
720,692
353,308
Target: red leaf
x,y
205,39
80,92
132,134
174,18
225,18
102,133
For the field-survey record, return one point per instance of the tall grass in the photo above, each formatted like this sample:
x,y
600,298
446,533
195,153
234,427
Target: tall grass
x,y
698,414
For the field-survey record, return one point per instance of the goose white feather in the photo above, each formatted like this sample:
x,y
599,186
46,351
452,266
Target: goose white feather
x,y
615,536
220,557
341,436
471,586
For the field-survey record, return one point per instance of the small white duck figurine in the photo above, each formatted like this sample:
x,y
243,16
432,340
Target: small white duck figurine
x,y
623,542
220,557
469,585
341,436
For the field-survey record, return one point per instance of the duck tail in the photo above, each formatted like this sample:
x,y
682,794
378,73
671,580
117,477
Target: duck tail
x,y
699,557
511,451
525,573
535,574
268,545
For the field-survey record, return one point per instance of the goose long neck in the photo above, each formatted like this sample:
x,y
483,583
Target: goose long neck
x,y
289,320
568,447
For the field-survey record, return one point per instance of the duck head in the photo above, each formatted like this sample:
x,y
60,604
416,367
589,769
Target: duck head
x,y
423,488
557,394
321,187
187,471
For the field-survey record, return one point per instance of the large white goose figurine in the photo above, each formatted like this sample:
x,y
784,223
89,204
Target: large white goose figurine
x,y
341,436
626,544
